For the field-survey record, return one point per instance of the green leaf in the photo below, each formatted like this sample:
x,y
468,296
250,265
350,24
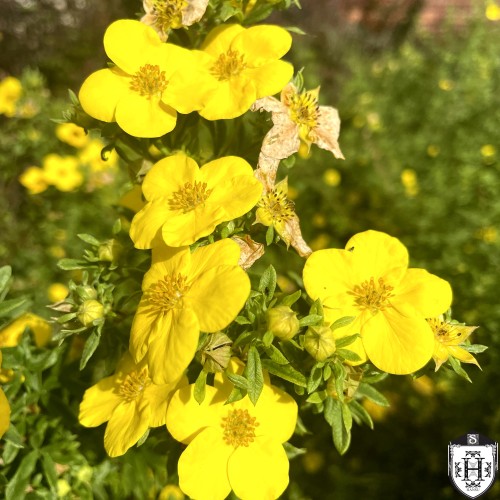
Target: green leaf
x,y
241,320
286,372
360,412
238,380
267,338
269,235
335,416
317,308
289,300
312,319
254,375
71,264
457,368
117,226
372,394
474,348
5,274
236,395
341,322
49,469
317,397
90,347
347,417
143,438
8,306
88,238
345,341
375,377
267,283
348,355
292,451
315,378
199,387
16,489
276,355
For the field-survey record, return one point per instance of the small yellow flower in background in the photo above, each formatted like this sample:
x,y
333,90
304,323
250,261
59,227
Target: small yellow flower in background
x,y
151,81
424,385
446,85
11,333
63,488
186,202
492,11
410,182
57,292
185,293
129,401
488,234
4,408
72,134
235,446
171,492
166,15
433,150
319,220
377,412
62,172
332,177
243,65
488,150
10,92
299,120
447,340
56,251
321,241
370,281
91,156
33,179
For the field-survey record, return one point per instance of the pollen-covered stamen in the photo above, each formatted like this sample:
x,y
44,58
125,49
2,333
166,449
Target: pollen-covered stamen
x,y
166,293
372,296
168,14
277,206
228,64
134,383
304,109
239,428
446,332
190,196
149,81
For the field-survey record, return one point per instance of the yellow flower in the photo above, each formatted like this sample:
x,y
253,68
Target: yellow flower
x,y
236,446
492,12
129,401
166,15
299,122
10,92
33,179
447,340
332,177
243,64
275,209
171,492
72,134
446,85
185,202
370,281
151,81
410,182
62,172
4,408
488,150
91,156
42,330
57,292
184,293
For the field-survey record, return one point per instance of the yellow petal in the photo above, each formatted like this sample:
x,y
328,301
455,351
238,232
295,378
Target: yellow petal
x,y
267,461
262,43
99,402
422,294
462,355
4,412
126,426
220,38
147,223
440,354
219,295
270,78
128,44
141,116
167,261
203,466
396,344
101,92
223,252
171,351
186,418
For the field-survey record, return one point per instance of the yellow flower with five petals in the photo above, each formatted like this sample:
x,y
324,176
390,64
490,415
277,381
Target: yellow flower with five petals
x,y
185,202
129,401
230,445
243,65
371,282
149,83
185,293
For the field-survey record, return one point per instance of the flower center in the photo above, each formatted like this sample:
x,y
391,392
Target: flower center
x,y
168,14
304,109
239,428
277,206
166,293
372,296
228,64
190,196
149,81
444,332
135,382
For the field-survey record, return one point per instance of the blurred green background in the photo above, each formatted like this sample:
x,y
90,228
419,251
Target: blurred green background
x,y
420,108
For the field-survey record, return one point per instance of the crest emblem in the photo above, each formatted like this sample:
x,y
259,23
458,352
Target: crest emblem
x,y
472,464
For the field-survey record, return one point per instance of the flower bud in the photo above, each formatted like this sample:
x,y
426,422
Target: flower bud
x,y
86,292
350,385
282,322
215,352
89,311
109,251
319,342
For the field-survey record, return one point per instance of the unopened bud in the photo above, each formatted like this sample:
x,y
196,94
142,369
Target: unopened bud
x,y
319,342
215,353
89,311
350,385
86,292
282,322
109,251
